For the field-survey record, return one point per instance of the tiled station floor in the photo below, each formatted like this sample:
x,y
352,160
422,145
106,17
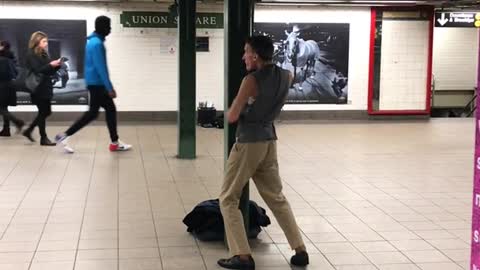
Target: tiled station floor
x,y
367,195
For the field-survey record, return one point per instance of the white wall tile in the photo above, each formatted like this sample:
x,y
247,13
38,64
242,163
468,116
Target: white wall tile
x,y
404,61
455,54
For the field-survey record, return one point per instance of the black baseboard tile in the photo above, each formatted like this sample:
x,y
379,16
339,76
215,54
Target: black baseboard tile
x,y
171,116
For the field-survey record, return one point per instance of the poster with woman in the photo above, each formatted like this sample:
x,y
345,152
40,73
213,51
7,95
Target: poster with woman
x,y
66,38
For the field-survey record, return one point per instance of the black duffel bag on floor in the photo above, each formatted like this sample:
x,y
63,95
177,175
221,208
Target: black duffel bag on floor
x,y
205,221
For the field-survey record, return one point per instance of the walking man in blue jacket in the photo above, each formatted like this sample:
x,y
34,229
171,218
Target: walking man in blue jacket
x,y
100,88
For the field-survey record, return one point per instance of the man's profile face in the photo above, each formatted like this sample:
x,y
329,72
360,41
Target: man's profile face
x,y
249,57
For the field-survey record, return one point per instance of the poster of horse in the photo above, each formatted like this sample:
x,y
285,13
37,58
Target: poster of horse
x,y
317,56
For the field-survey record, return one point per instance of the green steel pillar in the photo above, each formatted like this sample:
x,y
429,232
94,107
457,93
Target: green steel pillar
x,y
186,79
238,26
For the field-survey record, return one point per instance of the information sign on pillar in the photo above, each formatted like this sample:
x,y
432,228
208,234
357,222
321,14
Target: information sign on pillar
x,y
475,258
475,240
475,250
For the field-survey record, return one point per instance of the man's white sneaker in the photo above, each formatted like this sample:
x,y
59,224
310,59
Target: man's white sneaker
x,y
67,148
60,137
62,140
119,146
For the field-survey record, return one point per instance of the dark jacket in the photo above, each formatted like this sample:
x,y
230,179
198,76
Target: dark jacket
x,y
8,96
10,55
40,64
205,221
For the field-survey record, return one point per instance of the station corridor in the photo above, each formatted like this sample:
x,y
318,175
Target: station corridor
x,y
367,195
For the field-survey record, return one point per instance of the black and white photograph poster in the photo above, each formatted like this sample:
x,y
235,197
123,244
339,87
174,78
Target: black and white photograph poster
x,y
317,56
66,38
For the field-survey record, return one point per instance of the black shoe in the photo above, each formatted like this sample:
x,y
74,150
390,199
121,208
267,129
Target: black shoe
x,y
300,259
19,127
5,133
46,142
28,134
236,263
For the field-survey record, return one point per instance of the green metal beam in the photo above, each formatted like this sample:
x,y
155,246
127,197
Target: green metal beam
x,y
186,79
238,26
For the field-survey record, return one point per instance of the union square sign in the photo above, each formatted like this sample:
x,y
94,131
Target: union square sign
x,y
147,19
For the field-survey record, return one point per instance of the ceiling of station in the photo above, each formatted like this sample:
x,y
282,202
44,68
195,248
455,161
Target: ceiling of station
x,y
436,3
457,4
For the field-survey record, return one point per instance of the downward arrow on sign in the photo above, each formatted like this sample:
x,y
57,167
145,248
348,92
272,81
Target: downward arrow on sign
x,y
442,20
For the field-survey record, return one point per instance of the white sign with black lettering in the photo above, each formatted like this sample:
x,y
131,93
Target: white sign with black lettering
x,y
457,19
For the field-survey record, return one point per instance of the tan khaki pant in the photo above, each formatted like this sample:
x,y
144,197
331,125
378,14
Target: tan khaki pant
x,y
259,162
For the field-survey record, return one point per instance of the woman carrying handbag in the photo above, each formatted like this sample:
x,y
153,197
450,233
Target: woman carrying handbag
x,y
39,63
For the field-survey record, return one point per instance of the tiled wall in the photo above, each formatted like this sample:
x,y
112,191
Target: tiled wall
x,y
145,74
143,71
404,62
455,54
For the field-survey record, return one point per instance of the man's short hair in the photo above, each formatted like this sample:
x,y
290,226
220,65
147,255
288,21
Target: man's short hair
x,y
101,22
262,45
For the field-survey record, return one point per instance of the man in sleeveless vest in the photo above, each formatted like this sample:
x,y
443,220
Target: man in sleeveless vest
x,y
259,101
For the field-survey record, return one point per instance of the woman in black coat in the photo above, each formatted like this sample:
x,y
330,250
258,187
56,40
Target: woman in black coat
x,y
8,96
39,62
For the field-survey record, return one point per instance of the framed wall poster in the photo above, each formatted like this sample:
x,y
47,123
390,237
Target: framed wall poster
x,y
66,38
317,55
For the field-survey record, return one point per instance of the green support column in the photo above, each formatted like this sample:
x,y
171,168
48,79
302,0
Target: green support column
x,y
238,26
186,79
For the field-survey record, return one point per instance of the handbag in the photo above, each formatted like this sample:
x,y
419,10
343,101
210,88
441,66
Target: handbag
x,y
27,81
32,81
